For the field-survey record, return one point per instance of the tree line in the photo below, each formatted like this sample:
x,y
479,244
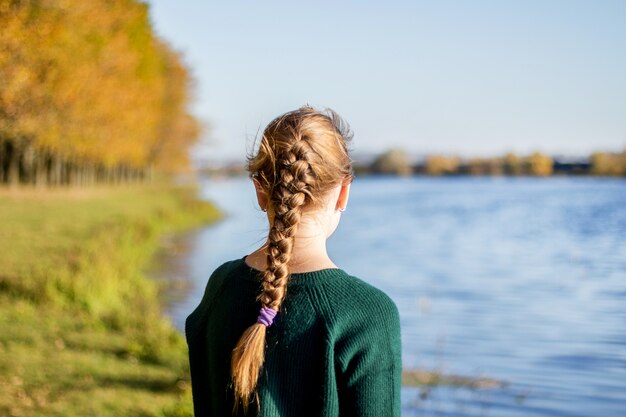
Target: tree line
x,y
398,162
89,94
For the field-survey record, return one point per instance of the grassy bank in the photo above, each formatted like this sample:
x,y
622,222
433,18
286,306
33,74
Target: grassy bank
x,y
81,331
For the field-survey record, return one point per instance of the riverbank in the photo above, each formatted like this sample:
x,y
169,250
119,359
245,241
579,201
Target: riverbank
x,y
81,329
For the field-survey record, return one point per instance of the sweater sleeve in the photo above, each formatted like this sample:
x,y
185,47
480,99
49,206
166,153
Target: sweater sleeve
x,y
369,360
194,331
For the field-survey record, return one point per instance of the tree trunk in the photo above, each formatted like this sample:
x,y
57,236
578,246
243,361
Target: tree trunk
x,y
13,168
56,170
2,158
28,164
40,170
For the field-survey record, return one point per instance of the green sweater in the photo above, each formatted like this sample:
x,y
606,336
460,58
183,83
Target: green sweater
x,y
333,350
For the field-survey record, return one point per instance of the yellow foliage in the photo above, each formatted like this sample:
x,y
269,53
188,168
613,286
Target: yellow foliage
x,y
604,163
90,81
438,165
539,164
394,161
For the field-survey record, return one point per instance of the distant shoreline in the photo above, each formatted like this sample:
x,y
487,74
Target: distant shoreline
x,y
399,163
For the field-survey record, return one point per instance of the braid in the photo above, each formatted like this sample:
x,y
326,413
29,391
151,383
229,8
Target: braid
x,y
290,193
303,154
287,199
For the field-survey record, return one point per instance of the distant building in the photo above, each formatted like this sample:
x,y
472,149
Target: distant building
x,y
571,166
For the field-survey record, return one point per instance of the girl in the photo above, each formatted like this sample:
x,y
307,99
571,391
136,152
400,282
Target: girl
x,y
284,329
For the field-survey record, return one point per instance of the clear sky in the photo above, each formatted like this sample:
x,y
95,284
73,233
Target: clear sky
x,y
456,77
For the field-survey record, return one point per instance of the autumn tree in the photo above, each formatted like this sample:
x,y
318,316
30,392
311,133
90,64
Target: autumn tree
x,y
512,164
484,166
539,164
606,163
440,165
88,94
393,161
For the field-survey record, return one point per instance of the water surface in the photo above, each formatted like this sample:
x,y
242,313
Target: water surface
x,y
518,279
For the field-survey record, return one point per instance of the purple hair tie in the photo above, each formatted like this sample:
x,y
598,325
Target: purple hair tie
x,y
266,316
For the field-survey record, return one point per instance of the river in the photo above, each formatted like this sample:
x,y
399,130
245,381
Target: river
x,y
518,279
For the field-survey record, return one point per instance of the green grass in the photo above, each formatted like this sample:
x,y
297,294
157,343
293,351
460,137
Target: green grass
x,y
81,329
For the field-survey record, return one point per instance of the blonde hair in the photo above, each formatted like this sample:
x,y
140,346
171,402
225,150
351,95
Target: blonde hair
x,y
303,154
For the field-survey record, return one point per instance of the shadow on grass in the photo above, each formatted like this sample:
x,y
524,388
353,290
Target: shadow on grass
x,y
156,385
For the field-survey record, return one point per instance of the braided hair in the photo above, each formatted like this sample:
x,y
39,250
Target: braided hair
x,y
303,154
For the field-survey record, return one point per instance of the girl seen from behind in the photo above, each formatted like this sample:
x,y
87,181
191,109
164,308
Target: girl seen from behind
x,y
283,331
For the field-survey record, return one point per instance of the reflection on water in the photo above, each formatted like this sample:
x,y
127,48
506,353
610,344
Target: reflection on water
x,y
523,280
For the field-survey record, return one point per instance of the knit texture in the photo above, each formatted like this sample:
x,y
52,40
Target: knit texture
x,y
333,350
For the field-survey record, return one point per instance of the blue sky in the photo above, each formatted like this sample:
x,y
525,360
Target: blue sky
x,y
454,77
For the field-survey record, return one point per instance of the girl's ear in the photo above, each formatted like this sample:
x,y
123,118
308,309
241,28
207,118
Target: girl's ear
x,y
344,195
261,194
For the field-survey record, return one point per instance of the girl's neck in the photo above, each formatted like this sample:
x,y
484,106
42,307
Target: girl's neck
x,y
309,250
